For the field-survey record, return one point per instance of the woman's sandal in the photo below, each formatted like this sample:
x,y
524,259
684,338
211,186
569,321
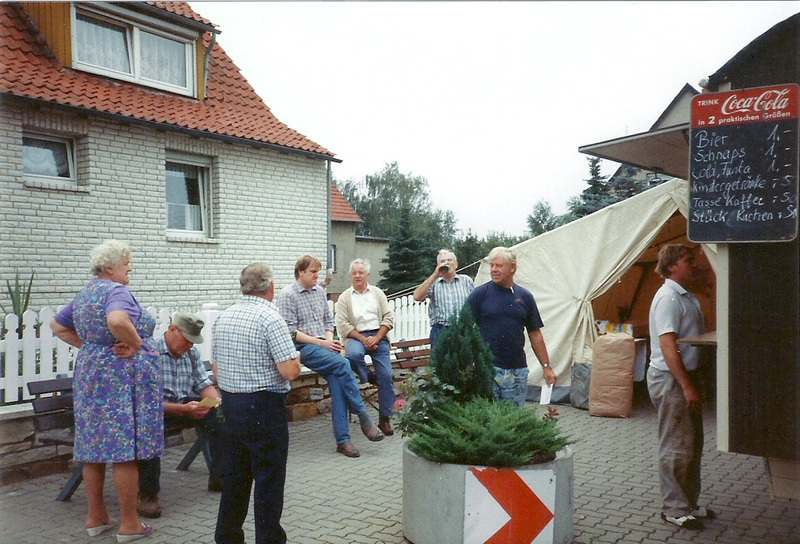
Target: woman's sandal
x,y
100,529
146,531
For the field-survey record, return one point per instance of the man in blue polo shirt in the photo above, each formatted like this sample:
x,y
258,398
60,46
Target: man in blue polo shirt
x,y
503,311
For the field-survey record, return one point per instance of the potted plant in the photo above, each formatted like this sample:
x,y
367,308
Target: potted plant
x,y
476,469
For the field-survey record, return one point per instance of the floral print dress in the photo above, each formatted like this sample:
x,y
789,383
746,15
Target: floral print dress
x,y
118,400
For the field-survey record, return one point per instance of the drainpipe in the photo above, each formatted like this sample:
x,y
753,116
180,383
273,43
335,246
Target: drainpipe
x,y
207,59
329,267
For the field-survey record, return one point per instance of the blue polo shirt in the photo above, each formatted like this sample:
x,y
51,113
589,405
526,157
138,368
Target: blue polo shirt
x,y
503,314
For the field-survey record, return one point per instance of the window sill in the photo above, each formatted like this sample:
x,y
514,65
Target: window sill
x,y
189,238
56,186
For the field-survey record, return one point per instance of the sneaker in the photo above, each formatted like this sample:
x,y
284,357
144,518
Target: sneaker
x,y
687,521
214,483
148,506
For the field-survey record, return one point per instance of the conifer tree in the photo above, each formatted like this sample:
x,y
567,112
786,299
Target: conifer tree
x,y
462,358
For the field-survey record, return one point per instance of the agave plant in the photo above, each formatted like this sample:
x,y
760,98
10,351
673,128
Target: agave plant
x,y
20,297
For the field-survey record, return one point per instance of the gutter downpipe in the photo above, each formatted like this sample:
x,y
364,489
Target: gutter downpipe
x,y
207,58
329,251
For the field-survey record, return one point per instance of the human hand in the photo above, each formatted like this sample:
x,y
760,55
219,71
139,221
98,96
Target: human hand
x,y
370,343
550,377
121,349
333,345
195,410
694,401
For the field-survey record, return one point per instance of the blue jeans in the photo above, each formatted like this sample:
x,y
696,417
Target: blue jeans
x,y
257,432
436,328
335,368
383,369
150,469
511,384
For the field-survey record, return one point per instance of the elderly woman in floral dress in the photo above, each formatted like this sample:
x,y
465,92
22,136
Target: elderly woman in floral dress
x,y
117,388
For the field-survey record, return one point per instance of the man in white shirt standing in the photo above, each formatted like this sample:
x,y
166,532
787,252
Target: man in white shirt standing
x,y
672,381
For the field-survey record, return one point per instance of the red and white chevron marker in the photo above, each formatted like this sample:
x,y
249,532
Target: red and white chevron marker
x,y
500,506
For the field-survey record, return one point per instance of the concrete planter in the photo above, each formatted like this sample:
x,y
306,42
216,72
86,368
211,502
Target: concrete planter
x,y
462,504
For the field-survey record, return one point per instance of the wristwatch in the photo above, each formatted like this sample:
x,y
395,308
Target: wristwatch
x,y
546,365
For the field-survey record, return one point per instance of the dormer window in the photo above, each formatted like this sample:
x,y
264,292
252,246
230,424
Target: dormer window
x,y
127,48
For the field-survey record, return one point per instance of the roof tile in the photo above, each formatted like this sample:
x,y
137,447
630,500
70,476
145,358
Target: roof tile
x,y
231,106
341,210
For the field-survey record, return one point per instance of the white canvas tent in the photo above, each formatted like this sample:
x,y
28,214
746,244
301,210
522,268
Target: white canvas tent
x,y
567,268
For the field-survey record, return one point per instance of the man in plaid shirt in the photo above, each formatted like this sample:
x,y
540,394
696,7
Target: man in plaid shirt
x,y
446,291
186,382
304,306
256,361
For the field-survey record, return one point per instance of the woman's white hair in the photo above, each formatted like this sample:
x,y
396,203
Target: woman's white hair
x,y
363,262
109,253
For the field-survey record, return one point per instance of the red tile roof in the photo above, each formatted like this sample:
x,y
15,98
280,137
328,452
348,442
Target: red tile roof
x,y
231,108
341,210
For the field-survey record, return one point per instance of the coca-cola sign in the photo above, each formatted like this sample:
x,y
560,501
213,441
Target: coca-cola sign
x,y
745,106
743,165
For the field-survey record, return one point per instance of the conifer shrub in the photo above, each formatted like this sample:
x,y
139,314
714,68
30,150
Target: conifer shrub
x,y
451,415
462,358
484,432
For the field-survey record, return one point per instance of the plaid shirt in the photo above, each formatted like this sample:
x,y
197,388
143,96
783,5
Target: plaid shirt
x,y
250,338
305,309
447,298
185,376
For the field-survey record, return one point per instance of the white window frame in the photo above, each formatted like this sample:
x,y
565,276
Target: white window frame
x,y
69,144
133,27
204,165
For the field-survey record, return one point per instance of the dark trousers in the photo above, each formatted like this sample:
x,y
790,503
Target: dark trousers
x,y
257,432
436,328
150,469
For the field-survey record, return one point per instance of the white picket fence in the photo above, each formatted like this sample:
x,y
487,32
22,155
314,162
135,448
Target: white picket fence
x,y
39,355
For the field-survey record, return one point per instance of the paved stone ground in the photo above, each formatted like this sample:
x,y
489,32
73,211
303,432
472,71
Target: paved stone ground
x,y
334,500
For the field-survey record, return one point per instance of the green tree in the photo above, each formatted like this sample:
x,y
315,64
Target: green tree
x,y
379,199
408,258
469,252
463,359
595,197
542,219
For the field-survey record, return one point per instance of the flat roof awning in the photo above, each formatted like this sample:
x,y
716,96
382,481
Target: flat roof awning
x,y
664,150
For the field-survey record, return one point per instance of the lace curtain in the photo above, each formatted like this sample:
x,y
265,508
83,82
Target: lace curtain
x,y
45,158
103,44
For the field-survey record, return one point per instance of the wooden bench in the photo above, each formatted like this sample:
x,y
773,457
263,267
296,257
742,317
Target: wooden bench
x,y
412,354
54,422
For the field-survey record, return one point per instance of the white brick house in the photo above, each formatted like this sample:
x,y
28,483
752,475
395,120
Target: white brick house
x,y
193,170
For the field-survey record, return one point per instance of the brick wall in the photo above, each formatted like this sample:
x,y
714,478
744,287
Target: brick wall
x,y
267,205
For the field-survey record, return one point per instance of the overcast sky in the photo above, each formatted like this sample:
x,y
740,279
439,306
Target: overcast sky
x,y
487,100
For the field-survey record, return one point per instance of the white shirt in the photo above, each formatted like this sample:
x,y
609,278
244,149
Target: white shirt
x,y
674,309
366,310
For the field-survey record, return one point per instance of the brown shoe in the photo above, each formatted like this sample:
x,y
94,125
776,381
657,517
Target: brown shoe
x,y
148,506
373,433
214,483
385,425
347,449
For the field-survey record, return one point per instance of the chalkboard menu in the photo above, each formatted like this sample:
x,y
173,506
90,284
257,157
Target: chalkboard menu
x,y
743,165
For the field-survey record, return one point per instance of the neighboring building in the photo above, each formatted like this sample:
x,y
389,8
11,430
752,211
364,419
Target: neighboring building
x,y
129,121
347,246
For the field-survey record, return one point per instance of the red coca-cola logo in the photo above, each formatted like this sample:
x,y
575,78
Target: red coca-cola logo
x,y
769,100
